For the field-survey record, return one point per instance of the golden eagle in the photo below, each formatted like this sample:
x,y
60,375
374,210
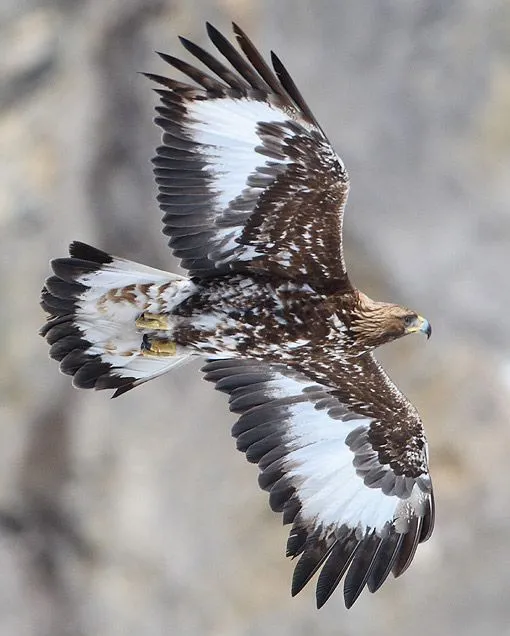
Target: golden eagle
x,y
253,197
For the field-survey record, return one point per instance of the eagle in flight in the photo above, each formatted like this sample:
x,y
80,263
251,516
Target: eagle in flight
x,y
253,197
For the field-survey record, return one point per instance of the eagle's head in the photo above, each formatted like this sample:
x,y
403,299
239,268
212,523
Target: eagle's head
x,y
374,323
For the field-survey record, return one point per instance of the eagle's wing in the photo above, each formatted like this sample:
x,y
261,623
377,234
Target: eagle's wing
x,y
347,466
247,178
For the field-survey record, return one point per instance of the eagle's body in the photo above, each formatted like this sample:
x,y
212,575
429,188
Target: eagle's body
x,y
253,197
252,315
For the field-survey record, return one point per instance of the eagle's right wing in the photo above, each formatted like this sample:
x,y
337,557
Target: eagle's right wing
x,y
247,179
350,474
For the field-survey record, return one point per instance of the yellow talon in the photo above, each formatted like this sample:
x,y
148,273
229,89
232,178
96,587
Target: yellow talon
x,y
155,348
154,322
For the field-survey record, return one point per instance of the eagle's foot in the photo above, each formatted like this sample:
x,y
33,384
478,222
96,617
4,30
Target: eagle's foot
x,y
154,322
158,348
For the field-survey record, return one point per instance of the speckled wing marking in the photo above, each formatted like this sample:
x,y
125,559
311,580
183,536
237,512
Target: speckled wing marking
x,y
247,179
360,500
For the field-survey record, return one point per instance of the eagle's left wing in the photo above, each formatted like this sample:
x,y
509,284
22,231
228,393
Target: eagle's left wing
x,y
346,466
247,179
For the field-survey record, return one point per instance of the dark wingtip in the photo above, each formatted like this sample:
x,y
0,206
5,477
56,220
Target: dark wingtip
x,y
238,32
187,44
165,56
213,33
320,600
276,62
211,30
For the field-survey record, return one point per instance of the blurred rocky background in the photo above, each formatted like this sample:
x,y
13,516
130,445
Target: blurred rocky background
x,y
137,516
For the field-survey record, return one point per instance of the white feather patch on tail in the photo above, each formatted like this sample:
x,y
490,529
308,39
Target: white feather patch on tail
x,y
94,300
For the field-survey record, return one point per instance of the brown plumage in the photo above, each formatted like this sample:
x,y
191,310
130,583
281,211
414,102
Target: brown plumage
x,y
253,198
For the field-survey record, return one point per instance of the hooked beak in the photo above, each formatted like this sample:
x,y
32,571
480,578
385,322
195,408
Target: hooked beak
x,y
423,325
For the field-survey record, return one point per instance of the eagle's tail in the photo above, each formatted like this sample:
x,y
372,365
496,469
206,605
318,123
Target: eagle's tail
x,y
93,301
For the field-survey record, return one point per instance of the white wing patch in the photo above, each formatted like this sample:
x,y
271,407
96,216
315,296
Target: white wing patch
x,y
322,466
227,131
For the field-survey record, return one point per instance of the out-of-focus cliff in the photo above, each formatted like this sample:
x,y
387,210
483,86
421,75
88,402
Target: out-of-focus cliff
x,y
136,516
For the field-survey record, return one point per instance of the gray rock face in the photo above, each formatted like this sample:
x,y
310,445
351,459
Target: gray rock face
x,y
137,516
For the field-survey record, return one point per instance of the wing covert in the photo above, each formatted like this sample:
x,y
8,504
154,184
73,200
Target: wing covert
x,y
359,505
247,179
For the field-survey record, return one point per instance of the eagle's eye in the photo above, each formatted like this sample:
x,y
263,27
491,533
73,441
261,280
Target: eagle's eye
x,y
409,319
